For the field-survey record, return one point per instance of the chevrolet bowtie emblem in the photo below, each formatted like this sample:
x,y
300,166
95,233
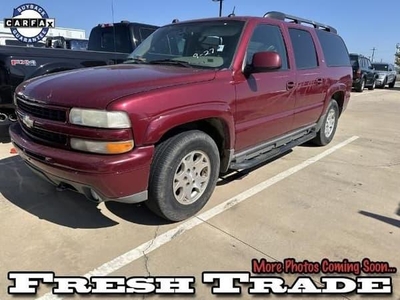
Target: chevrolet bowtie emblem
x,y
27,121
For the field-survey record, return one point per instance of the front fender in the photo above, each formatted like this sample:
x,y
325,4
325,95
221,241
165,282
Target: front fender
x,y
52,68
169,120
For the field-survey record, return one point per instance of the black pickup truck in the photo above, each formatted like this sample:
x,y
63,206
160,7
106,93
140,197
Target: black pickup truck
x,y
108,44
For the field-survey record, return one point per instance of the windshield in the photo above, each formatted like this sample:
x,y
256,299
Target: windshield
x,y
380,67
201,44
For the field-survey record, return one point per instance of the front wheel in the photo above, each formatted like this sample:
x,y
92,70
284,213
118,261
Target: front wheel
x,y
329,125
372,87
392,84
360,87
183,175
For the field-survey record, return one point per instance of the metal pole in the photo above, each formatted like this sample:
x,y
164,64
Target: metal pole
x,y
220,8
373,54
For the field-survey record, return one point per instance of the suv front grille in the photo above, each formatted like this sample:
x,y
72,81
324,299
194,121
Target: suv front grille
x,y
42,112
46,136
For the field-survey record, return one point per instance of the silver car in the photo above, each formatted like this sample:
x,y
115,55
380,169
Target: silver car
x,y
386,74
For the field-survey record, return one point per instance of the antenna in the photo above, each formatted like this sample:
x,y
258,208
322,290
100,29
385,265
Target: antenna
x,y
112,17
233,12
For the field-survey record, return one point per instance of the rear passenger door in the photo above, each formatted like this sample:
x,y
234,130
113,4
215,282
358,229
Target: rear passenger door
x,y
311,82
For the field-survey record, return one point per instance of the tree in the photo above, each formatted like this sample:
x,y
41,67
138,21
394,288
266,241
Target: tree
x,y
397,55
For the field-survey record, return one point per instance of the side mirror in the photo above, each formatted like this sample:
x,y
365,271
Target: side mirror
x,y
265,61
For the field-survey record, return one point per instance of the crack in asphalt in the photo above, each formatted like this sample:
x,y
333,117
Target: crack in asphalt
x,y
146,258
261,252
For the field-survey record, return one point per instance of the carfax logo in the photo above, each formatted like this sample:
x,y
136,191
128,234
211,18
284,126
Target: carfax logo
x,y
30,23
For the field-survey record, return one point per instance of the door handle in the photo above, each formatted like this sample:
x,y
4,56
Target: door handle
x,y
319,81
290,85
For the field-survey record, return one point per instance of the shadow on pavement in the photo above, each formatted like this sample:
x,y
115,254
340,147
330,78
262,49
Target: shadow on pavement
x,y
21,187
135,213
31,193
387,220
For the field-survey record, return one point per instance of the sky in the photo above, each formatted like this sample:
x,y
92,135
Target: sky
x,y
363,25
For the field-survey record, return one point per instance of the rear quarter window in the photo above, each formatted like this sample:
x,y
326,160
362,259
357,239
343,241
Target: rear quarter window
x,y
334,49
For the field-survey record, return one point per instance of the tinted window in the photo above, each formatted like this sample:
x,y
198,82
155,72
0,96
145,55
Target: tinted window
x,y
304,49
145,32
267,38
368,63
78,45
381,67
365,63
334,49
354,60
110,39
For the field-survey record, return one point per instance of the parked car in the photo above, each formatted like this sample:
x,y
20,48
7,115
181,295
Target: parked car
x,y
364,75
387,75
61,42
108,44
195,100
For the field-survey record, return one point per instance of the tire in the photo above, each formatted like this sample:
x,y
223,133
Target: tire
x,y
372,87
383,84
361,86
169,166
325,136
392,84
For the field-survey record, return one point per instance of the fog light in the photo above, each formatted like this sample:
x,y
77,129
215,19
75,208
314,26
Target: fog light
x,y
95,195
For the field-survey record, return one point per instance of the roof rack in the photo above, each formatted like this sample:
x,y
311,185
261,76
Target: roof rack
x,y
282,16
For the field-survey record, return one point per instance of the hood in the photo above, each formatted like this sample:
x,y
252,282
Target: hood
x,y
99,86
381,73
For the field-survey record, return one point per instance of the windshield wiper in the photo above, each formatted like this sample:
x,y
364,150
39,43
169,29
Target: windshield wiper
x,y
135,60
171,62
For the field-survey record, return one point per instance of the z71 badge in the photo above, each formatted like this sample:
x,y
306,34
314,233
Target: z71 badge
x,y
25,62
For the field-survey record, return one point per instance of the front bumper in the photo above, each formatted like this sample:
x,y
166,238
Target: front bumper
x,y
380,81
121,178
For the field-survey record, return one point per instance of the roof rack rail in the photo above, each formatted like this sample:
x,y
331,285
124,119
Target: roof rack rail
x,y
282,16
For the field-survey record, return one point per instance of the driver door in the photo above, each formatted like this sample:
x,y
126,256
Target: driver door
x,y
265,101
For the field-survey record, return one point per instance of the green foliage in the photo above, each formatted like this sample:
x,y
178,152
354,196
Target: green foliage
x,y
397,59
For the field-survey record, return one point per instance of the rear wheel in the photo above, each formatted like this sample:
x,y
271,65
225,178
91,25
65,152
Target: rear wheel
x,y
183,175
329,125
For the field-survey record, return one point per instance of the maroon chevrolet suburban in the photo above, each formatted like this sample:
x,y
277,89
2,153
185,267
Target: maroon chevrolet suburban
x,y
195,100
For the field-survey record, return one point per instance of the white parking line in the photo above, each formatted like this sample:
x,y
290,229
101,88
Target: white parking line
x,y
138,252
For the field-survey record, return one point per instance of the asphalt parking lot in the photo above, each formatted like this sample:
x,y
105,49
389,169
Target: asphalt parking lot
x,y
338,202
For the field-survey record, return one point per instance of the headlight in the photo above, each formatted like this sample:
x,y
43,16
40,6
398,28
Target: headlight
x,y
102,147
99,118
